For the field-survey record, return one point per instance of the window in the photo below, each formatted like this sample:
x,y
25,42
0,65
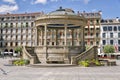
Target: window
x,y
47,43
110,28
115,28
91,28
119,48
18,17
1,44
32,24
52,43
111,42
97,28
86,29
119,28
75,34
26,24
91,34
103,35
63,43
119,42
111,35
97,42
97,34
118,35
16,43
11,24
91,43
6,24
6,44
85,34
2,19
97,21
104,42
104,28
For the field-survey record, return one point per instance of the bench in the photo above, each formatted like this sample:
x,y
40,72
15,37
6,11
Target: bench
x,y
111,63
107,62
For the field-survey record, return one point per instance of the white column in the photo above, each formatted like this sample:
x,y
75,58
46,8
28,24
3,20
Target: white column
x,y
72,37
45,41
41,36
65,37
45,35
56,37
83,39
36,36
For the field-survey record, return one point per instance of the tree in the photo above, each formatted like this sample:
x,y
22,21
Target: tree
x,y
18,49
109,49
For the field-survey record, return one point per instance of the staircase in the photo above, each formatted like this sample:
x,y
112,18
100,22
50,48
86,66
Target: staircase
x,y
89,54
30,55
36,55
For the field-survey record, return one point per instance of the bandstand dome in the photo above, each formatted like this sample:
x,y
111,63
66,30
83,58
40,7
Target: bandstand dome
x,y
62,11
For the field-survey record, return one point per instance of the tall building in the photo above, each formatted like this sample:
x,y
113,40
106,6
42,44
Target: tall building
x,y
17,30
110,33
92,28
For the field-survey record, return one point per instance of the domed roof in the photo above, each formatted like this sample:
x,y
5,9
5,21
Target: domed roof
x,y
62,11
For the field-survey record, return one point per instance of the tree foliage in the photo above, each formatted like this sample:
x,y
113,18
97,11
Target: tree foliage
x,y
18,49
109,49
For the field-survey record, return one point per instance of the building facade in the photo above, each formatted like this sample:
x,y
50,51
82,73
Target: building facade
x,y
110,33
92,28
68,30
17,30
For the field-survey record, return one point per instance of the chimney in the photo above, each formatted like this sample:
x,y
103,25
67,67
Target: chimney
x,y
117,18
100,12
78,13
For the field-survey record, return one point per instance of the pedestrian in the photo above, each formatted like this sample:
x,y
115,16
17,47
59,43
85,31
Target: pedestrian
x,y
3,71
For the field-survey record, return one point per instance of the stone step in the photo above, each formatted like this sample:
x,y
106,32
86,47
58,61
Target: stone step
x,y
51,65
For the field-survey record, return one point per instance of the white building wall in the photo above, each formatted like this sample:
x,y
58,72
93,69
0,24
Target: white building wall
x,y
108,37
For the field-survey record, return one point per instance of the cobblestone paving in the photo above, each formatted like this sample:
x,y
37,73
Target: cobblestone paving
x,y
59,73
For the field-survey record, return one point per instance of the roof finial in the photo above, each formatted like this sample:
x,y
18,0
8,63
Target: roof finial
x,y
60,7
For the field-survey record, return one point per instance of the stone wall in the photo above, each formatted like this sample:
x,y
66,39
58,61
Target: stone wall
x,y
89,54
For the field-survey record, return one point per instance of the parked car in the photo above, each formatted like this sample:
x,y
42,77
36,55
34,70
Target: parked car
x,y
16,54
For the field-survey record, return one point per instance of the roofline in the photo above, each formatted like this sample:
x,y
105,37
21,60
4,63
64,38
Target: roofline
x,y
22,14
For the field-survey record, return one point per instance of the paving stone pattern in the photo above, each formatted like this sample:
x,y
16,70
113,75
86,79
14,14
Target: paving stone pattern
x,y
59,73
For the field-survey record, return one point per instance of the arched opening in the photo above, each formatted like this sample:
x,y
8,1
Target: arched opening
x,y
11,50
6,52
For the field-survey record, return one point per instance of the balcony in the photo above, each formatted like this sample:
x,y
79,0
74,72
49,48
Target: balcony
x,y
89,36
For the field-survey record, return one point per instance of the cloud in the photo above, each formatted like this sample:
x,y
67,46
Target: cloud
x,y
94,10
86,1
10,1
53,0
40,1
8,8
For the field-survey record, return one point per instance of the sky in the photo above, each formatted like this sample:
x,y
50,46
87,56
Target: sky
x,y
110,8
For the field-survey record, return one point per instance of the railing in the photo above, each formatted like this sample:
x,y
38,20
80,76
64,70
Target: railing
x,y
27,55
91,53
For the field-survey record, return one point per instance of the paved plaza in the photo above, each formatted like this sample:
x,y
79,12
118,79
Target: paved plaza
x,y
58,73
